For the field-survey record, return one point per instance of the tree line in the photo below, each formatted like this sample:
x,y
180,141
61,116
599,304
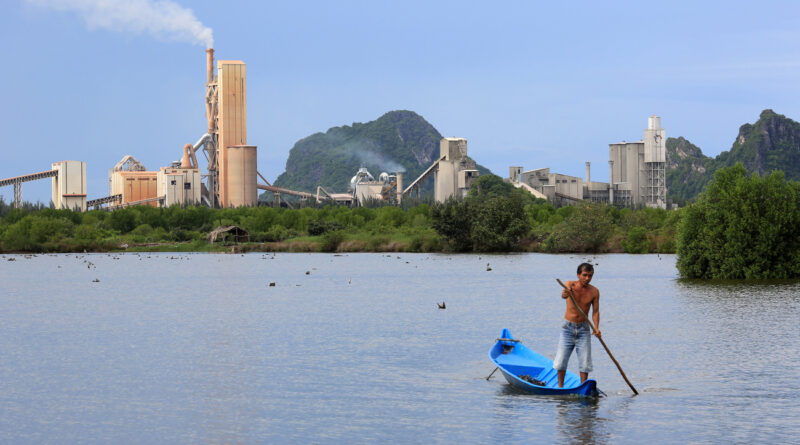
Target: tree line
x,y
740,227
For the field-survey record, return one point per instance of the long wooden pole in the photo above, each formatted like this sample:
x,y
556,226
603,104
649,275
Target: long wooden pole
x,y
572,298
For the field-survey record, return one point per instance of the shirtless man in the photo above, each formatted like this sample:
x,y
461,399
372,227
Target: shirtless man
x,y
575,330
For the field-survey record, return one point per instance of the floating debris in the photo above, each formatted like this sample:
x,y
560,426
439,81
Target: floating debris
x,y
271,284
95,280
442,305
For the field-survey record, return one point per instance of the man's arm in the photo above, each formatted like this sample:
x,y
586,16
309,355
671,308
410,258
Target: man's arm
x,y
565,292
596,313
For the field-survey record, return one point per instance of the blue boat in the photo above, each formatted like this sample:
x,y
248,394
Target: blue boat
x,y
538,376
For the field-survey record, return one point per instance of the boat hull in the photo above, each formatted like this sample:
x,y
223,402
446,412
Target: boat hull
x,y
514,360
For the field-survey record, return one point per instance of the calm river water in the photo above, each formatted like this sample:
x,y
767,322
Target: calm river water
x,y
197,348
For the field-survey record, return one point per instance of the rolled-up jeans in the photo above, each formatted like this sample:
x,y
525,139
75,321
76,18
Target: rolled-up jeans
x,y
576,336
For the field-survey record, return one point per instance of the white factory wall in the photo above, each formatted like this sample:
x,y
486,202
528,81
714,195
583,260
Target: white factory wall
x,y
69,187
181,186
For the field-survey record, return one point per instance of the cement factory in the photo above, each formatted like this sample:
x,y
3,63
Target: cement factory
x,y
231,179
636,171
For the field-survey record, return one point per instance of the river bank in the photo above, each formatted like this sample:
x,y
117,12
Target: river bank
x,y
535,227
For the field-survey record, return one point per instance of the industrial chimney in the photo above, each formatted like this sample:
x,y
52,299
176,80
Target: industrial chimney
x,y
399,187
588,172
210,65
611,182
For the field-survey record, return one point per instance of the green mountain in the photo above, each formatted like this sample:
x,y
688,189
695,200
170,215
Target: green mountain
x,y
772,143
686,170
397,141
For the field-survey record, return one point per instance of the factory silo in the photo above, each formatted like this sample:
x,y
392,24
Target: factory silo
x,y
241,176
237,160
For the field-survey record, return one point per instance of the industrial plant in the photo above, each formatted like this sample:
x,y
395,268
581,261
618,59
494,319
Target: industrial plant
x,y
636,172
231,177
636,169
453,173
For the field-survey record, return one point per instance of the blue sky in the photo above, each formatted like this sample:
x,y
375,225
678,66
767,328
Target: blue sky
x,y
530,83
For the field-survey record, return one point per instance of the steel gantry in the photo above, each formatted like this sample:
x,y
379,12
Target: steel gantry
x,y
17,181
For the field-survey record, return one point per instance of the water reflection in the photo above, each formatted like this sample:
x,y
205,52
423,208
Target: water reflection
x,y
577,421
523,418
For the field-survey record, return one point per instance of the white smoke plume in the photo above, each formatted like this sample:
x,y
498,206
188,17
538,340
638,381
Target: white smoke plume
x,y
159,18
384,163
366,154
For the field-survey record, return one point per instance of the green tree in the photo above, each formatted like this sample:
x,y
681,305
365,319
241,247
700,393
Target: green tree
x,y
742,228
586,228
499,224
123,220
453,220
18,236
636,241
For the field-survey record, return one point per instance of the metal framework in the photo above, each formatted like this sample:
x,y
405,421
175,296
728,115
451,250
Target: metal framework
x,y
655,188
18,180
100,201
210,143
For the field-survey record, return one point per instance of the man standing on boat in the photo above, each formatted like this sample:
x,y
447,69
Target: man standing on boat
x,y
575,329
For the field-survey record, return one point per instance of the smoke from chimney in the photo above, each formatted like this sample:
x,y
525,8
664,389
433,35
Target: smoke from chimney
x,y
158,18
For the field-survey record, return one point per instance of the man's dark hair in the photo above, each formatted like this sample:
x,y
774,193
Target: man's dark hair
x,y
585,266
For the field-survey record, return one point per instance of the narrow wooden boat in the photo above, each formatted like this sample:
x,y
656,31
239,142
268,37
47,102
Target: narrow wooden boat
x,y
538,376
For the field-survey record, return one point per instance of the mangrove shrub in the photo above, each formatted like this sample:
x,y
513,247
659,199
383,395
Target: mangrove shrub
x,y
742,227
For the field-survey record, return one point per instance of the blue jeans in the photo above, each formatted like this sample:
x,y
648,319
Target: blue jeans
x,y
576,336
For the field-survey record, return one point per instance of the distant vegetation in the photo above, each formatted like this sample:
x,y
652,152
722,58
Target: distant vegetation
x,y
496,217
742,227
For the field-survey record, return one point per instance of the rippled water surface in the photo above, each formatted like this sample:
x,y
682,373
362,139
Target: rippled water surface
x,y
198,348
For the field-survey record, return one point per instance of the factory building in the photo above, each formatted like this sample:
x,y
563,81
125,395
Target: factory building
x,y
232,163
544,184
453,172
456,171
636,171
364,187
69,185
179,186
138,187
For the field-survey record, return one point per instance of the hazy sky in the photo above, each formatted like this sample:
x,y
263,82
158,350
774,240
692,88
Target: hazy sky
x,y
537,84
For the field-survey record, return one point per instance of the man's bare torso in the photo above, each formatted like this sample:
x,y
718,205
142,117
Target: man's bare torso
x,y
584,296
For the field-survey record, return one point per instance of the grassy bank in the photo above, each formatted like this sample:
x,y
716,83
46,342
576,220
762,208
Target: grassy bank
x,y
326,229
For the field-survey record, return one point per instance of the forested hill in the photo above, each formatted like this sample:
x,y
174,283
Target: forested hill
x,y
397,141
687,170
771,143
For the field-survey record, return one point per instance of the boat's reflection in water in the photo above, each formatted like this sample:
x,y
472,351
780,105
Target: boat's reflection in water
x,y
554,419
577,421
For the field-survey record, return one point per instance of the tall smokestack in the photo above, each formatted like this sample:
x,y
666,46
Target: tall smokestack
x,y
210,99
611,182
399,187
588,172
210,65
